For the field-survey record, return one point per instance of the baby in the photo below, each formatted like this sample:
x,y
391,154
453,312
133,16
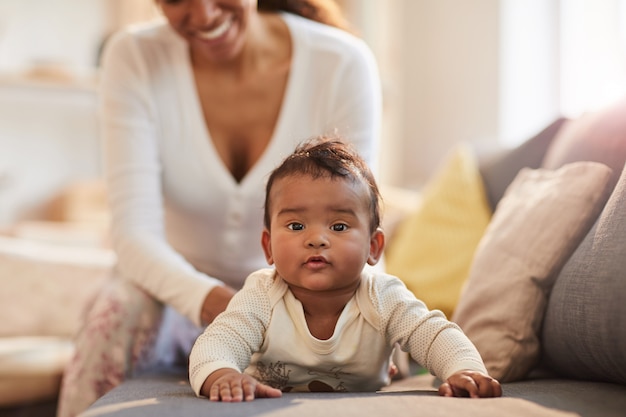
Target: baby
x,y
320,320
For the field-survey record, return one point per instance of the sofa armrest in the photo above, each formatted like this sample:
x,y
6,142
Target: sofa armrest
x,y
44,287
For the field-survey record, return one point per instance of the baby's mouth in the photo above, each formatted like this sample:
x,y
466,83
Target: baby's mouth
x,y
316,261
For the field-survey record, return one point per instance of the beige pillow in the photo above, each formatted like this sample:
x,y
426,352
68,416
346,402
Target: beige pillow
x,y
537,225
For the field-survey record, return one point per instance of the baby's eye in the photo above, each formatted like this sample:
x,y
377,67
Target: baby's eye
x,y
339,227
295,226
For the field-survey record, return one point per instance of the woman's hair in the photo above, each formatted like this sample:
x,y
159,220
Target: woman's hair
x,y
327,157
323,11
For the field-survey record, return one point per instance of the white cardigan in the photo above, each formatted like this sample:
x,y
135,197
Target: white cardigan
x,y
181,223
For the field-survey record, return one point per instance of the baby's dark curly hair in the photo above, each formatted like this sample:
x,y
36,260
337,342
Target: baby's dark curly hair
x,y
327,156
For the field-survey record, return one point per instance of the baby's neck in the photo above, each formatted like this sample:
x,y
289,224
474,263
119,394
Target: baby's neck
x,y
321,327
322,310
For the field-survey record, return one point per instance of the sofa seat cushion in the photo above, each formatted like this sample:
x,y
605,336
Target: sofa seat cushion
x,y
31,368
168,395
585,398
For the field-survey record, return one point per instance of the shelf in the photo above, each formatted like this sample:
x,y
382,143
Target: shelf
x,y
61,82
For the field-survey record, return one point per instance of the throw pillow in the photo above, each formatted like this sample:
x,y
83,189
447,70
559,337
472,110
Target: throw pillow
x,y
599,136
584,333
539,222
432,249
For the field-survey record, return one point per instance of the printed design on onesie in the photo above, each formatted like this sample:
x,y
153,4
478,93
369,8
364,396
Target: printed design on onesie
x,y
276,375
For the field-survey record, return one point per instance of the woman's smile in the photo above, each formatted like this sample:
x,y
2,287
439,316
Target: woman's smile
x,y
217,31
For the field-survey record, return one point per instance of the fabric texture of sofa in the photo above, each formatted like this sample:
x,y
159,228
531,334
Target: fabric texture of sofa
x,y
552,212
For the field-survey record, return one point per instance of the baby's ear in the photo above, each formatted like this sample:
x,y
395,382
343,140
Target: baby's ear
x,y
266,243
377,246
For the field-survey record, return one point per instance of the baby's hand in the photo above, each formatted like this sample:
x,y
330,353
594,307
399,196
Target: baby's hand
x,y
470,384
229,385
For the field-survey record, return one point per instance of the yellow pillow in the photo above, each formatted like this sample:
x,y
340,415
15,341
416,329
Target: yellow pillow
x,y
432,249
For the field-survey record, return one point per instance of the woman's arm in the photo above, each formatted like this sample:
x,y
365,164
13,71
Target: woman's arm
x,y
133,171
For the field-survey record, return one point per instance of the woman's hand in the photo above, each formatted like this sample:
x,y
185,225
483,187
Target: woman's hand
x,y
215,302
470,384
228,385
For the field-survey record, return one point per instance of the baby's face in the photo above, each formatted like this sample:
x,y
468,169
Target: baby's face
x,y
319,238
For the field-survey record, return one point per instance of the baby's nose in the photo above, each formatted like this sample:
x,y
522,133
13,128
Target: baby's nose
x,y
317,240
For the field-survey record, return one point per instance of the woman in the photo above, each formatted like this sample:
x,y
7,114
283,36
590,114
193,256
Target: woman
x,y
195,112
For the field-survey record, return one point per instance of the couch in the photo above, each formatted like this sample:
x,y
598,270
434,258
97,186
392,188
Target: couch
x,y
525,250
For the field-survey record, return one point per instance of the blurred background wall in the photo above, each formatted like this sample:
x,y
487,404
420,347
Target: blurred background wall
x,y
488,72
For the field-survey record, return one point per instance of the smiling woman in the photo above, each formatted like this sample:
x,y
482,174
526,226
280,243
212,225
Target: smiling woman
x,y
196,110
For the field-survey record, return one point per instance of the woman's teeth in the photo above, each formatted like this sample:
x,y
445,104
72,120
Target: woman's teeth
x,y
217,32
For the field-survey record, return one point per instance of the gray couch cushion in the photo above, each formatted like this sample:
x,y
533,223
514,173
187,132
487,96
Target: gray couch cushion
x,y
166,396
584,333
587,399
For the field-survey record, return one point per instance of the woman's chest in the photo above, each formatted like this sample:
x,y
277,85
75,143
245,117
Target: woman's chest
x,y
241,118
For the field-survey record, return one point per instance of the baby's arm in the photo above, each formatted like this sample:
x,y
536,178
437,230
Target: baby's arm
x,y
470,384
229,385
234,336
435,343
